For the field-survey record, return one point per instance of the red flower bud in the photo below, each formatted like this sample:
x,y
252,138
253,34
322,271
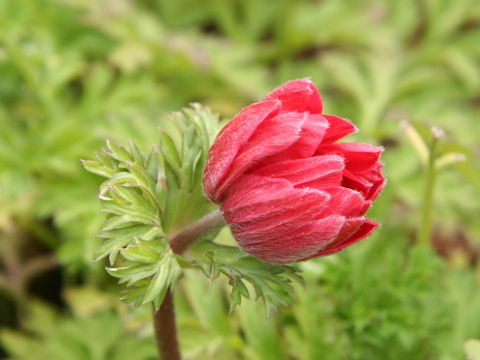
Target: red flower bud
x,y
287,189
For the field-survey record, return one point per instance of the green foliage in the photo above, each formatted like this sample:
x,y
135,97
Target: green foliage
x,y
357,313
142,199
185,138
132,200
74,72
53,335
151,268
272,283
131,197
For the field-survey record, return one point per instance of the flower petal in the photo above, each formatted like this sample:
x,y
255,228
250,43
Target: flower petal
x,y
338,128
230,140
298,95
350,227
315,172
264,202
366,229
272,136
252,189
296,245
369,183
358,157
346,202
375,176
310,138
278,215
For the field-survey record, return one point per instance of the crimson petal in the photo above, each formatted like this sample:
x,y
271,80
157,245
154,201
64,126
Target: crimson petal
x,y
346,202
338,128
366,229
272,136
295,246
298,95
358,157
313,172
311,137
230,140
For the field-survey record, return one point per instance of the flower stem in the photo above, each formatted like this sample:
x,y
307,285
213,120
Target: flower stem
x,y
164,317
166,330
198,230
425,232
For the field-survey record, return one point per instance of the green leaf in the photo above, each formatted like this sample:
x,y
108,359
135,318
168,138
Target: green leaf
x,y
119,152
139,254
152,163
272,283
132,274
150,268
185,139
169,151
131,197
167,274
142,200
111,247
98,168
125,229
100,334
137,154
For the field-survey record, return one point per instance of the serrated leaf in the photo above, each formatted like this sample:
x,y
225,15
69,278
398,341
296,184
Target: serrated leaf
x,y
106,160
141,175
119,178
272,283
165,276
116,222
169,151
140,254
154,232
197,170
98,168
142,200
132,194
130,197
111,246
239,290
133,213
150,268
152,163
118,152
128,231
184,148
131,274
137,154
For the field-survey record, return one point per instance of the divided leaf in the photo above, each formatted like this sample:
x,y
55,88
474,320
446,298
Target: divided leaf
x,y
129,196
146,196
149,269
272,283
185,139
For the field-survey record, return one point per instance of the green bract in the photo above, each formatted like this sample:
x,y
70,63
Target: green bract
x,y
147,197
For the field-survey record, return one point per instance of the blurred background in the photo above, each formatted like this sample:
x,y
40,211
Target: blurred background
x,y
74,72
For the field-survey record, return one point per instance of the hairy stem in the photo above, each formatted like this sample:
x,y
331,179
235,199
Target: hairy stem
x,y
164,318
197,231
166,330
